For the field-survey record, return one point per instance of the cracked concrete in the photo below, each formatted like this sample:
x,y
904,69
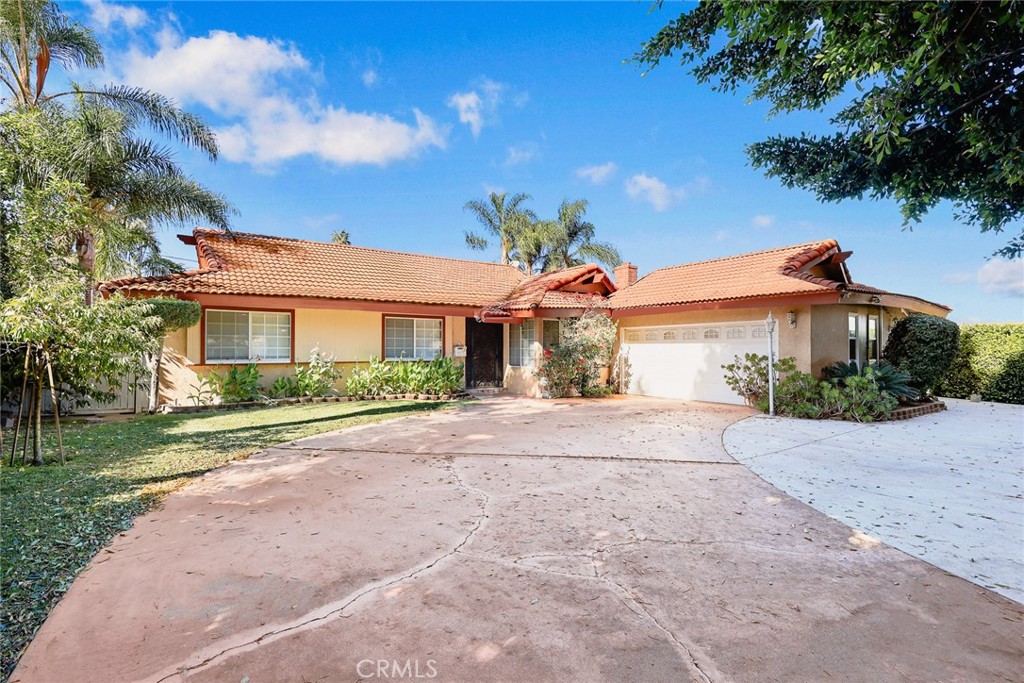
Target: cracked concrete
x,y
675,565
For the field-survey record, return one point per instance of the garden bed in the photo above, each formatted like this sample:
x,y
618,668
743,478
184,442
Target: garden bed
x,y
275,402
907,412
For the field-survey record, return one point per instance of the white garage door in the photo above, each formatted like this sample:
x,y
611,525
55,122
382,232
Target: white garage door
x,y
685,361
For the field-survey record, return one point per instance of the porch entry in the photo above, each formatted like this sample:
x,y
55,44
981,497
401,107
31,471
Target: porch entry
x,y
484,351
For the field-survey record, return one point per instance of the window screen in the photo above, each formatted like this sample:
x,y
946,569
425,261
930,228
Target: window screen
x,y
413,338
244,336
520,344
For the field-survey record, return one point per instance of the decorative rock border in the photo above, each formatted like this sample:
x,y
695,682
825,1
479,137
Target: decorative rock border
x,y
274,402
917,411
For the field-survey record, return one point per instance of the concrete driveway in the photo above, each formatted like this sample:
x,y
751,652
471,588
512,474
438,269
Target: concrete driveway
x,y
948,488
514,540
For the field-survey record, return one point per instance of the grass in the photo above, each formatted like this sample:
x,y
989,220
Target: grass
x,y
56,517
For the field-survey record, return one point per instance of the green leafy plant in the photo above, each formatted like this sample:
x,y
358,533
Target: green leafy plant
x,y
889,379
583,349
441,376
858,398
924,346
238,384
284,387
202,392
990,363
317,378
748,376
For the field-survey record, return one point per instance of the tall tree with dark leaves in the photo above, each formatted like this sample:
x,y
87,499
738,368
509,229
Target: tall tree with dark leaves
x,y
937,104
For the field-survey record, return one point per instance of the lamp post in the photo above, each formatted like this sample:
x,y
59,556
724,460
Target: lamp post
x,y
769,326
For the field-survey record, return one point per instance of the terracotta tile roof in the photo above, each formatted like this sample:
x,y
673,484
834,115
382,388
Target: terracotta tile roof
x,y
757,274
541,291
784,271
243,263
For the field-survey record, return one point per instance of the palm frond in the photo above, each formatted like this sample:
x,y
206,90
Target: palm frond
x,y
161,199
153,109
475,241
599,252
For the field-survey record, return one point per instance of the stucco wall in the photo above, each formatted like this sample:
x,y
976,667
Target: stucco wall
x,y
830,330
352,336
523,380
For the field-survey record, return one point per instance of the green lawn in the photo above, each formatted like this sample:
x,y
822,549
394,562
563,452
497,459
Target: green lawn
x,y
56,517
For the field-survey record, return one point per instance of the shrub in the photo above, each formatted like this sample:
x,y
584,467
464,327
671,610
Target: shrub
x,y
889,379
748,377
585,347
990,363
284,387
238,384
318,376
924,346
382,378
858,398
800,394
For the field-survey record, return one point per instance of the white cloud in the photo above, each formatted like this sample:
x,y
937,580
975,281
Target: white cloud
x,y
370,77
597,174
721,236
521,154
763,220
470,108
478,107
245,79
104,15
658,193
1000,276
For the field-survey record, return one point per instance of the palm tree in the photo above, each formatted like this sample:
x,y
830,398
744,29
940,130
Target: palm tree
x,y
501,216
341,237
533,243
134,186
573,243
129,181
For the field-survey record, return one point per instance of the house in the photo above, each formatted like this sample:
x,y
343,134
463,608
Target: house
x,y
273,299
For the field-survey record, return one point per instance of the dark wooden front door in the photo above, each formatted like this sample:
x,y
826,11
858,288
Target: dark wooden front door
x,y
484,346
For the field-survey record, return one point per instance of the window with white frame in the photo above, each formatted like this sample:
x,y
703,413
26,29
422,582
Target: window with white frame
x,y
874,354
413,338
520,344
248,336
854,339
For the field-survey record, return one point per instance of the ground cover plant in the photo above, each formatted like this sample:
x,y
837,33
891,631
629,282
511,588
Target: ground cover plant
x,y
56,517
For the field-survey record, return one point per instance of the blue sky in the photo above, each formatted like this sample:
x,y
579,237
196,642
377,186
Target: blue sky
x,y
383,119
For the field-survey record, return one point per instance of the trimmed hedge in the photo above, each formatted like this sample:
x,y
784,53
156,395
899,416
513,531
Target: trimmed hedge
x,y
924,346
990,363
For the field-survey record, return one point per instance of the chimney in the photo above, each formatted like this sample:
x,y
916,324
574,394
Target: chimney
x,y
625,275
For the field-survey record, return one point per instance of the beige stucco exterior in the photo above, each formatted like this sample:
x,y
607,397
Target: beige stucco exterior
x,y
819,338
353,337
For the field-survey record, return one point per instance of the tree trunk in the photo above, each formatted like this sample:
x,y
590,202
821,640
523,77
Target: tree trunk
x,y
37,425
153,362
85,245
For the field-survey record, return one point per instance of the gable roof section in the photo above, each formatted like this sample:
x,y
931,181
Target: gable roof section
x,y
578,287
249,264
797,270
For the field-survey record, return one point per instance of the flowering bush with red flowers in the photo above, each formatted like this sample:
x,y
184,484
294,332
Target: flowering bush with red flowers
x,y
584,348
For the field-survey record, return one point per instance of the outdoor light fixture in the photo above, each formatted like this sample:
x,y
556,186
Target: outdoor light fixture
x,y
769,326
791,318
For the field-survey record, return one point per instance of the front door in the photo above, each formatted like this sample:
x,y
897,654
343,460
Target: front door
x,y
484,350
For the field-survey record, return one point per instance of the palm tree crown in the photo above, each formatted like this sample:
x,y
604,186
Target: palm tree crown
x,y
501,216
